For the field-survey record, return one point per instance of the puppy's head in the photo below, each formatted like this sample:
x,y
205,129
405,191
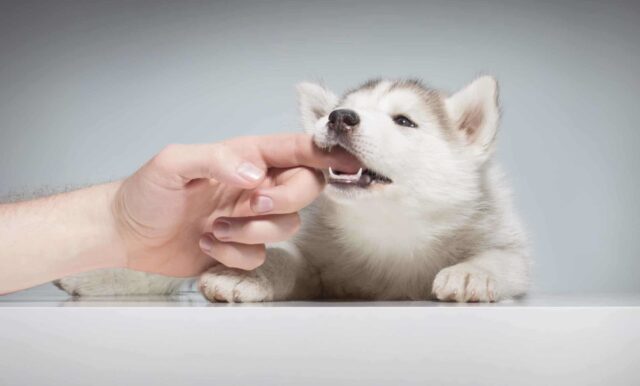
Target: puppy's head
x,y
411,140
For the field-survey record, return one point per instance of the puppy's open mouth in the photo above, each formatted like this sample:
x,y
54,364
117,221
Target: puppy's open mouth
x,y
362,179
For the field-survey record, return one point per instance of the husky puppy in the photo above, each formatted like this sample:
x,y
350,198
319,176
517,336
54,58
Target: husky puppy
x,y
429,216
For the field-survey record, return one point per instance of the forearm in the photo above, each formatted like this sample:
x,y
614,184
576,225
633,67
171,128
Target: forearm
x,y
57,236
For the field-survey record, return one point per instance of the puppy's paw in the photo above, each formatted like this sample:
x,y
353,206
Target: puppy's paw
x,y
465,283
222,284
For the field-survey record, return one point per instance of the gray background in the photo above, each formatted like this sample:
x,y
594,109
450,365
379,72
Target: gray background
x,y
90,90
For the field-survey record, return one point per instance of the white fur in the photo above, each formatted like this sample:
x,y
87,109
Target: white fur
x,y
443,229
118,282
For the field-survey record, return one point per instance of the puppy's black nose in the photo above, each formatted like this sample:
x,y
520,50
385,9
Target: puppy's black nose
x,y
343,120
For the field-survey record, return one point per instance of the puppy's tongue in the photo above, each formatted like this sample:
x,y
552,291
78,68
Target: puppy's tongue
x,y
338,159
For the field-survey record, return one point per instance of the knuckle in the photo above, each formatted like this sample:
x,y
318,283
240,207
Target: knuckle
x,y
170,150
167,154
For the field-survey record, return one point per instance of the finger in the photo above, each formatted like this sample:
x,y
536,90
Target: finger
x,y
233,255
180,164
294,190
243,161
291,150
256,230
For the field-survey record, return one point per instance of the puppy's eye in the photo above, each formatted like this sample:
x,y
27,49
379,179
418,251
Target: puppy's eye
x,y
404,121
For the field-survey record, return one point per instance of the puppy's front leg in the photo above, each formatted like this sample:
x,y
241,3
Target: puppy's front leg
x,y
487,277
285,275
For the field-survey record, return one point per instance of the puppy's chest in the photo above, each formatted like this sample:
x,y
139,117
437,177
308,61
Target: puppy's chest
x,y
367,272
376,254
379,277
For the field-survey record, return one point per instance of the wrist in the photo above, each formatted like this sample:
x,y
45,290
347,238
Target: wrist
x,y
105,247
94,228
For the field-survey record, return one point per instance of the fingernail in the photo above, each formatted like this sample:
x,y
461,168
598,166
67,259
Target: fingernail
x,y
206,243
262,204
221,229
250,172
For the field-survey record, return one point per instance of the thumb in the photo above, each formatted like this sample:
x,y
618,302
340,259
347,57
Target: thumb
x,y
214,161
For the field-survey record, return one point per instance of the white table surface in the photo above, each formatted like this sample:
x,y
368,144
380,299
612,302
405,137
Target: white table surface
x,y
49,338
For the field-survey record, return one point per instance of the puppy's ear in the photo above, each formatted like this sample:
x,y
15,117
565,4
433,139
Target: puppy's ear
x,y
475,114
314,102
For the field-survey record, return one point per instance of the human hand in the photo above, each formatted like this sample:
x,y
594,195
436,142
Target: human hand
x,y
192,203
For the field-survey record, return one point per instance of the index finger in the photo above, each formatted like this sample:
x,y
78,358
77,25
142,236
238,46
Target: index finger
x,y
298,149
243,161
